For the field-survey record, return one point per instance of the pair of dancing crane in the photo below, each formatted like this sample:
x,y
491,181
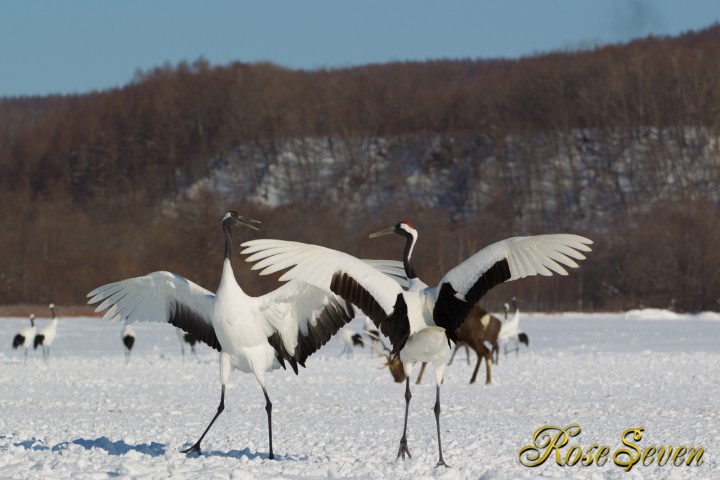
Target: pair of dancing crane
x,y
258,334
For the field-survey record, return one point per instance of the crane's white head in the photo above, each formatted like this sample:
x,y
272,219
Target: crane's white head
x,y
404,228
234,219
32,316
51,306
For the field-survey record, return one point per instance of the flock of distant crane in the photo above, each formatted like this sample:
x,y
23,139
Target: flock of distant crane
x,y
322,290
28,337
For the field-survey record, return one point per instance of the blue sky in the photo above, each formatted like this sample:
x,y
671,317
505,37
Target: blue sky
x,y
50,46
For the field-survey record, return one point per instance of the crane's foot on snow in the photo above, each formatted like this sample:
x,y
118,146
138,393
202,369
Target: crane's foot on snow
x,y
403,450
441,463
194,449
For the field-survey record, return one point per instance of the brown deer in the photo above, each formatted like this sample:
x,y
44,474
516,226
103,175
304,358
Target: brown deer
x,y
479,327
391,361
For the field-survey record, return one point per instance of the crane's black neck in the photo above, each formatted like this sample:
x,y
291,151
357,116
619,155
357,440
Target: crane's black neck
x,y
228,242
52,310
32,321
407,254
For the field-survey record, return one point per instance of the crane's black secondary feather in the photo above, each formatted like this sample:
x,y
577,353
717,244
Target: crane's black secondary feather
x,y
189,321
450,311
395,326
331,319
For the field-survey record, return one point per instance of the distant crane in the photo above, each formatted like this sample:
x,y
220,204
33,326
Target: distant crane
x,y
46,337
128,338
188,338
350,338
253,334
421,321
511,331
25,336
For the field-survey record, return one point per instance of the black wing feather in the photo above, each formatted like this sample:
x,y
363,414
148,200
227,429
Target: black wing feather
x,y
281,352
449,311
332,318
189,321
39,339
18,340
394,326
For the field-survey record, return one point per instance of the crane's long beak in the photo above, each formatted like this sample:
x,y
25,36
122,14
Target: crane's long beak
x,y
387,231
248,222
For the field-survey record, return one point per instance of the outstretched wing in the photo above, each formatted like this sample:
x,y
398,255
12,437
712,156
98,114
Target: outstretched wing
x,y
506,260
302,318
162,297
375,293
393,268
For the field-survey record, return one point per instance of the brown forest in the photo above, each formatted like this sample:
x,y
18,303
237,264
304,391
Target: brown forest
x,y
84,179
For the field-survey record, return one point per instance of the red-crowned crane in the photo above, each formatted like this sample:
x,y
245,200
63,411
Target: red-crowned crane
x,y
127,334
349,338
253,334
25,336
47,335
188,338
511,331
421,321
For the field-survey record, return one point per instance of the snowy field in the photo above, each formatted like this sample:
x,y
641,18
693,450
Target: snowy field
x,y
87,414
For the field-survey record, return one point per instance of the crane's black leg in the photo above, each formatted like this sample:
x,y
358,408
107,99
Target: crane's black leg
x,y
268,409
403,441
221,407
437,421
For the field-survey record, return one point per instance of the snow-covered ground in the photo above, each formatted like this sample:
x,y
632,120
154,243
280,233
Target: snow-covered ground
x,y
87,414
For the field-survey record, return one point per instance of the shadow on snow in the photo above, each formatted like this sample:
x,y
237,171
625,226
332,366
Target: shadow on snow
x,y
119,447
237,454
153,449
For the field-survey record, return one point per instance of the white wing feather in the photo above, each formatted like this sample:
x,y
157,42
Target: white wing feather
x,y
316,265
150,297
293,309
394,268
526,256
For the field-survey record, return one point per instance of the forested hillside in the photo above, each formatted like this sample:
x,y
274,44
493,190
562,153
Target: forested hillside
x,y
619,144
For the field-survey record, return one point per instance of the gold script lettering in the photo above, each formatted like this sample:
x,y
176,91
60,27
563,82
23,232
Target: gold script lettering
x,y
636,434
544,442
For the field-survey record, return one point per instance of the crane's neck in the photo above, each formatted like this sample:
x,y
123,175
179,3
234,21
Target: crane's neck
x,y
32,322
228,242
516,315
228,283
407,256
52,310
